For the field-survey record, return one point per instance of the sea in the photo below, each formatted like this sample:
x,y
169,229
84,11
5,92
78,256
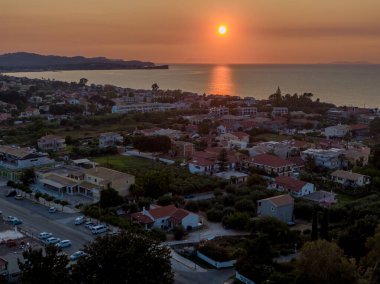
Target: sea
x,y
350,85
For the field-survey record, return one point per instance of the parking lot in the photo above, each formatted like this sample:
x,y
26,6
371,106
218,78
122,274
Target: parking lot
x,y
36,219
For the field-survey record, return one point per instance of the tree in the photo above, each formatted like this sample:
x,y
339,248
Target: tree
x,y
314,226
179,232
110,198
124,258
155,183
83,81
37,196
255,179
222,159
371,262
155,88
324,262
324,232
374,127
152,143
256,260
48,267
64,203
27,176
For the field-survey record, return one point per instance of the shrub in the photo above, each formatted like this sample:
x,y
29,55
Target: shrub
x,y
192,206
179,232
214,215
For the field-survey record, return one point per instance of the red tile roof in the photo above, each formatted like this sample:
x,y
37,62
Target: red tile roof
x,y
179,215
281,200
271,161
290,183
240,134
358,127
161,212
141,218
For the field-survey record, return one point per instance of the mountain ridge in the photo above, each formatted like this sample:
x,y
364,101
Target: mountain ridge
x,y
26,61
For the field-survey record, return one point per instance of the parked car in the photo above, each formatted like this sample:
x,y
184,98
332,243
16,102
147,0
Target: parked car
x,y
89,224
13,220
52,240
79,220
45,235
63,244
11,193
77,255
52,209
19,197
99,229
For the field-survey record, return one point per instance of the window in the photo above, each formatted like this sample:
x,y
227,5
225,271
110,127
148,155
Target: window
x,y
259,203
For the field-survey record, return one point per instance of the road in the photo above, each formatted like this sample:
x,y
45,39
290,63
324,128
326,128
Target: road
x,y
36,219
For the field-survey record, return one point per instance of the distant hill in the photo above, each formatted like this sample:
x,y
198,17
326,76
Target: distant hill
x,y
24,61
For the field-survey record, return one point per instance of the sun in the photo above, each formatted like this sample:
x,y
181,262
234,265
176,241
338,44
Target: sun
x,y
222,30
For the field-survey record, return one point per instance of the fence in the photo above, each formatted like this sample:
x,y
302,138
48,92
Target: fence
x,y
217,264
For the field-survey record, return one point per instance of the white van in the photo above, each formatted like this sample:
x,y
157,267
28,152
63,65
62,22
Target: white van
x,y
99,229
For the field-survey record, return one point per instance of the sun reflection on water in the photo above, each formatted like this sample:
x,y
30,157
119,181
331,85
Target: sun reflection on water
x,y
221,81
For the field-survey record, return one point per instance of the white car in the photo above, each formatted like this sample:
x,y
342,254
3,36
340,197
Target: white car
x,y
52,240
63,244
45,235
77,255
52,210
79,220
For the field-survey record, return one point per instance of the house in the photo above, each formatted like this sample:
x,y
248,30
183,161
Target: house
x,y
206,162
219,111
233,177
357,155
331,158
359,130
109,178
145,107
167,217
295,187
321,197
236,140
280,207
339,130
109,139
75,180
18,158
280,111
350,179
246,111
29,112
272,165
51,143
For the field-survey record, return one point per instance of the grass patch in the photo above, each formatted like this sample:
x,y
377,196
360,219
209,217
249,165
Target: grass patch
x,y
133,165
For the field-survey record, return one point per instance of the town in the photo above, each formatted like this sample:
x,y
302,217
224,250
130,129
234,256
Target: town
x,y
233,187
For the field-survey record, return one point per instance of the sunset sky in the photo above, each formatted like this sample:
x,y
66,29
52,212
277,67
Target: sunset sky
x,y
179,31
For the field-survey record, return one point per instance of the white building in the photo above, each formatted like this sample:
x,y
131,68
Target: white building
x,y
279,111
350,179
247,111
219,111
147,107
167,218
295,187
17,158
109,139
336,131
331,158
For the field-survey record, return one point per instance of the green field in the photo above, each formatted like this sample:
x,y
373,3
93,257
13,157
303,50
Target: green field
x,y
133,165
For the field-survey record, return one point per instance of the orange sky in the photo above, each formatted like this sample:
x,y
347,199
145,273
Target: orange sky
x,y
168,31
